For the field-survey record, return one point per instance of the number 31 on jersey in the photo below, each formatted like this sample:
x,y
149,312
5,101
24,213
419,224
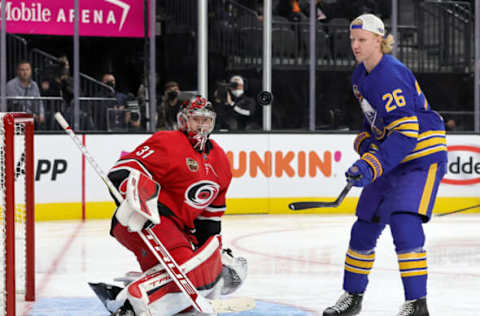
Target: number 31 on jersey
x,y
145,152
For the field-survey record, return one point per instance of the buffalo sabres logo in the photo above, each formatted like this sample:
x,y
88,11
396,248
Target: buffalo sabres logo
x,y
201,194
376,122
356,93
192,164
357,22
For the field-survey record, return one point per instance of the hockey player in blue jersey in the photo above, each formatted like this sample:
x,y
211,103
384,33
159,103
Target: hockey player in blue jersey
x,y
403,157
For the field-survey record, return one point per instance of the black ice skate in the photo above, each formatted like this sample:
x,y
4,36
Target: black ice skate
x,y
125,310
105,292
414,308
347,305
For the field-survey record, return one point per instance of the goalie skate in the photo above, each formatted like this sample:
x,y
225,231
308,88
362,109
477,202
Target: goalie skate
x,y
108,293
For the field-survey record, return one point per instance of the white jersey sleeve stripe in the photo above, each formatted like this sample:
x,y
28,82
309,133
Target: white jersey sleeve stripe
x,y
213,209
215,218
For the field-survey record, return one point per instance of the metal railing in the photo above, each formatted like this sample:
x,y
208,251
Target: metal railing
x,y
445,31
96,113
463,121
45,64
17,50
440,41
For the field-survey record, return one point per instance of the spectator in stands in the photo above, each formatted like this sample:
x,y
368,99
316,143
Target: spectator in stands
x,y
123,112
305,8
234,109
259,12
450,124
63,85
290,9
23,86
121,98
45,89
169,107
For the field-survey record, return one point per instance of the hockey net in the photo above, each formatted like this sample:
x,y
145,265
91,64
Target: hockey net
x,y
17,277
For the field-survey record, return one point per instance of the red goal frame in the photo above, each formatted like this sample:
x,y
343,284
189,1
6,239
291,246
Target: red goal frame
x,y
9,121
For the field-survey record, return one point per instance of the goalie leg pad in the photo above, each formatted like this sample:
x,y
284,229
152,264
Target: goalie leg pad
x,y
155,292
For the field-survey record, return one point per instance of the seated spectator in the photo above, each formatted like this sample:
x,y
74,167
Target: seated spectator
x,y
123,113
290,9
234,109
46,90
169,107
23,86
110,81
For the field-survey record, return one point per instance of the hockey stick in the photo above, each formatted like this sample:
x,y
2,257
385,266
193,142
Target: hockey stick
x,y
297,206
159,251
460,210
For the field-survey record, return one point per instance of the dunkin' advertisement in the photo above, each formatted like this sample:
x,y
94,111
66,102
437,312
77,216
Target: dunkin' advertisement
x,y
269,171
112,18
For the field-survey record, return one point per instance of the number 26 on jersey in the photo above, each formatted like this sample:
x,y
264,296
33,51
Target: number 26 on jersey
x,y
394,100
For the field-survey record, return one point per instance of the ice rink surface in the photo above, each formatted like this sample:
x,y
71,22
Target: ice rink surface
x,y
295,265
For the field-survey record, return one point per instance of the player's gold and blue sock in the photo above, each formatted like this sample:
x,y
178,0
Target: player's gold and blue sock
x,y
360,255
358,265
409,238
413,270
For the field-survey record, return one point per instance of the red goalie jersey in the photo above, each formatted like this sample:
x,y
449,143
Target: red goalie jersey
x,y
193,184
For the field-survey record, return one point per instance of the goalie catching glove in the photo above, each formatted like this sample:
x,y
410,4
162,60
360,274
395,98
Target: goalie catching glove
x,y
139,209
234,271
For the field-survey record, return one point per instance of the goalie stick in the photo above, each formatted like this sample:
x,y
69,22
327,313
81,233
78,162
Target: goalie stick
x,y
199,302
297,206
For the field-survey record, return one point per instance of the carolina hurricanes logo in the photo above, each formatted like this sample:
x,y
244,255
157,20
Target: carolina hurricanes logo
x,y
201,194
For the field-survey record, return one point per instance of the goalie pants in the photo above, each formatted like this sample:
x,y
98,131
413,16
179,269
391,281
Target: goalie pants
x,y
204,265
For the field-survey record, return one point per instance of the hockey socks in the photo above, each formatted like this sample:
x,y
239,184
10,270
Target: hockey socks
x,y
358,265
413,270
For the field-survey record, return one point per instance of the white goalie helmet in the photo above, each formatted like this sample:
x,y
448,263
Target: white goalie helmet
x,y
196,119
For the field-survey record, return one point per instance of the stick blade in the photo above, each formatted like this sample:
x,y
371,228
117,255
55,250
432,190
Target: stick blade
x,y
233,305
298,206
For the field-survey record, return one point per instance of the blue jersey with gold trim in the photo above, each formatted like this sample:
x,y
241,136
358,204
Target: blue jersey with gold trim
x,y
400,128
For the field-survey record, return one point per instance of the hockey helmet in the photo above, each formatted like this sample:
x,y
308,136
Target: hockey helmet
x,y
196,119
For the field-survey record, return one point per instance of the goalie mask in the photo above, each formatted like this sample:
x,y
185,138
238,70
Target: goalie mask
x,y
196,119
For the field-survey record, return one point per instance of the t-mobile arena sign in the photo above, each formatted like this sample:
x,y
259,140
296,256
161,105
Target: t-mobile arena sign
x,y
119,18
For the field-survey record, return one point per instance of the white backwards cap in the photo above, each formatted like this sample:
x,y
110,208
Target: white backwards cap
x,y
237,79
369,22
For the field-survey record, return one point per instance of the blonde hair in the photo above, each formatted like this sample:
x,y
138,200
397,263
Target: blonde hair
x,y
386,45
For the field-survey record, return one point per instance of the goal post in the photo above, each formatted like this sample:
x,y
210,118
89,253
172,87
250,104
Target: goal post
x,y
17,218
